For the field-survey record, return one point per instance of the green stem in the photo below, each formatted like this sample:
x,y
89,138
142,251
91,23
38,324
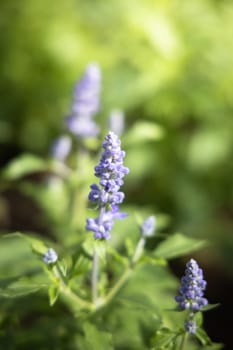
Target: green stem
x,y
94,280
183,341
137,254
117,287
68,292
138,250
78,198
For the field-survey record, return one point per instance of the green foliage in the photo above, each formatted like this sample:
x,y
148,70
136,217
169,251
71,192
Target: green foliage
x,y
169,66
94,338
178,245
22,166
164,339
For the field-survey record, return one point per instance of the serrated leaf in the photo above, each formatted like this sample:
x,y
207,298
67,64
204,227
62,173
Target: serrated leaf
x,y
23,165
53,294
178,245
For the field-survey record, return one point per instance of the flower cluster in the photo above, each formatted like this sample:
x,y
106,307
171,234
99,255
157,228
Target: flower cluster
x,y
192,288
86,103
111,172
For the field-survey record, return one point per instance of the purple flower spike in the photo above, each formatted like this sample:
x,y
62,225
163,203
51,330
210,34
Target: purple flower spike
x,y
111,172
192,288
86,103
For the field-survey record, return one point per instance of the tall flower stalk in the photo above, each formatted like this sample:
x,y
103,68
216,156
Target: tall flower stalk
x,y
106,195
191,296
81,123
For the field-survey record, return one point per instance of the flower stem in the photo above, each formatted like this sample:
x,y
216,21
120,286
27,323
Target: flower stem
x,y
68,292
95,276
183,341
138,250
126,274
117,287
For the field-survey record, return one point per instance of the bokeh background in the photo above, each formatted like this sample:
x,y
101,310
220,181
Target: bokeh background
x,y
168,62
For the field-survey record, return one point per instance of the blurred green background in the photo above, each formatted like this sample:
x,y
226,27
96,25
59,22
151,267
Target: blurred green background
x,y
169,62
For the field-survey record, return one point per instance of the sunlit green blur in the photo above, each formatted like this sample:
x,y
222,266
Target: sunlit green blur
x,y
164,61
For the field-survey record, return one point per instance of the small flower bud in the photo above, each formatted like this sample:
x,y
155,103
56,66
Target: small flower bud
x,y
61,147
190,326
50,256
148,226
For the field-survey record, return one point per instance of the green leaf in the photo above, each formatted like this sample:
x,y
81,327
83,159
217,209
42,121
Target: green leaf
x,y
214,346
24,165
63,267
143,132
38,246
152,260
96,339
210,307
99,246
53,294
203,337
198,319
129,246
18,288
119,258
82,266
178,245
164,339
